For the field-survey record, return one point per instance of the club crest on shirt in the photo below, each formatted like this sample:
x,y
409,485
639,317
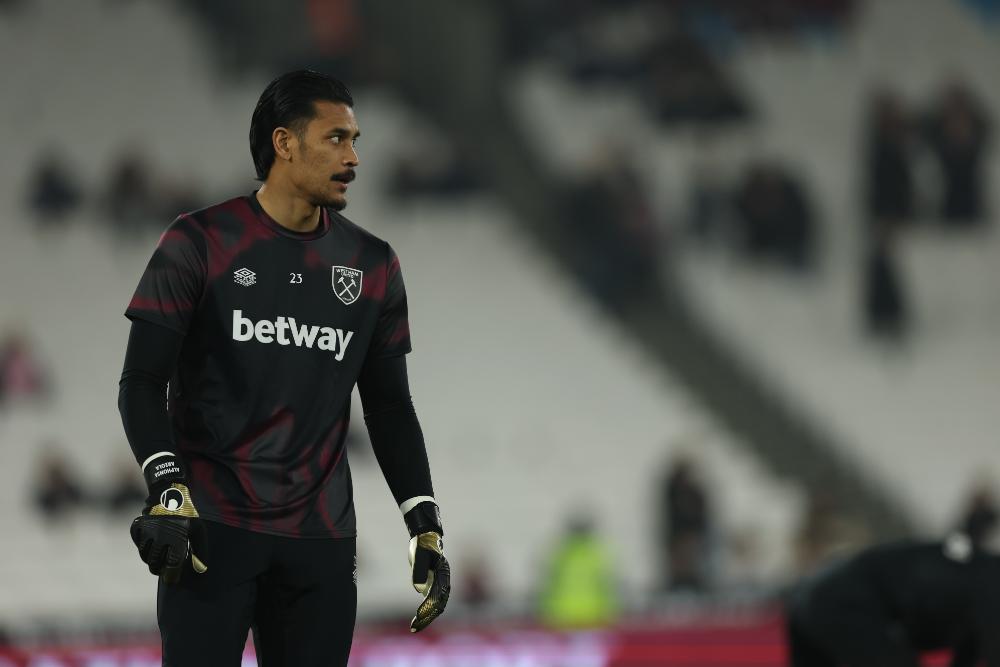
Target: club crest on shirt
x,y
347,284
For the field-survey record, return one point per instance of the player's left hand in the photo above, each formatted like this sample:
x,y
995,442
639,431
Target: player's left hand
x,y
431,577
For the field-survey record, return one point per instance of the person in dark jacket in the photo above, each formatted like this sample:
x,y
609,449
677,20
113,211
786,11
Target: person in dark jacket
x,y
886,605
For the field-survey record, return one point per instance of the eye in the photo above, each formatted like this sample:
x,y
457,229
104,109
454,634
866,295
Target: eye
x,y
335,138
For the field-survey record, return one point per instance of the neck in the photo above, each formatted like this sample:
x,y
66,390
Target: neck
x,y
288,209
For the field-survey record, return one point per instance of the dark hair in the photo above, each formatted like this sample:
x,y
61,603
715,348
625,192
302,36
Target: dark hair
x,y
288,102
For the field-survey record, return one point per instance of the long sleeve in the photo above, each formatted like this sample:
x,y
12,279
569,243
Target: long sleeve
x,y
150,359
393,427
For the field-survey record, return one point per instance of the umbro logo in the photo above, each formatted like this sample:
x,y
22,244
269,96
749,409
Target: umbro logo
x,y
244,277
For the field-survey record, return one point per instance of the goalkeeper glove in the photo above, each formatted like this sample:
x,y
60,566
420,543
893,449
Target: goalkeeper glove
x,y
168,531
429,569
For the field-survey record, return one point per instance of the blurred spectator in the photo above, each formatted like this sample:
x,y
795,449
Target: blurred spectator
x,y
130,199
434,166
618,241
22,377
612,43
888,169
335,25
979,518
475,587
685,522
127,489
825,531
640,44
579,590
886,309
174,198
686,84
53,194
775,217
957,132
338,31
57,490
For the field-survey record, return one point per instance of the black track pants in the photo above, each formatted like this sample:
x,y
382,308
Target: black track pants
x,y
298,595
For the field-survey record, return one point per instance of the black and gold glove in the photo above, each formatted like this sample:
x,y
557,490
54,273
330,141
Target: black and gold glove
x,y
169,530
430,572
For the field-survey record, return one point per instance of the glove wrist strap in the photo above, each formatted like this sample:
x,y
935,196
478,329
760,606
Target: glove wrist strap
x,y
424,518
161,470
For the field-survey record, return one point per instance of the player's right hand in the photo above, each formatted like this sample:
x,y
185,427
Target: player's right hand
x,y
169,532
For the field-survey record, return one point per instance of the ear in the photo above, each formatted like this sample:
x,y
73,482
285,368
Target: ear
x,y
284,142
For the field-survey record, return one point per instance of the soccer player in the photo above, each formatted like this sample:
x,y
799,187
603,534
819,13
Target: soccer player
x,y
886,605
260,314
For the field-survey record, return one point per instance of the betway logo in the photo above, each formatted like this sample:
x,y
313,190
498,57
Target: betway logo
x,y
266,331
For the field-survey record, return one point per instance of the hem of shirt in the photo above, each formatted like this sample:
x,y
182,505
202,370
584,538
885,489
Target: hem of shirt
x,y
160,323
278,533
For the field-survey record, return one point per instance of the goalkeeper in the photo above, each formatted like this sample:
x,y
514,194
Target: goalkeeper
x,y
254,319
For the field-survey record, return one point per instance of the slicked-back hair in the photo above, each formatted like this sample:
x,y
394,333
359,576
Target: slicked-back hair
x,y
288,101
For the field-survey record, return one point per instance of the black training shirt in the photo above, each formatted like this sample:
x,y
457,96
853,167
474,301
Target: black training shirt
x,y
277,327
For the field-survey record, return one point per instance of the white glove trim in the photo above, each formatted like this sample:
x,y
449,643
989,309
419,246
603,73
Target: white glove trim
x,y
407,505
155,456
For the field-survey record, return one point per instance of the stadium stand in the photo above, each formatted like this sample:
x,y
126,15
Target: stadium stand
x,y
921,419
518,384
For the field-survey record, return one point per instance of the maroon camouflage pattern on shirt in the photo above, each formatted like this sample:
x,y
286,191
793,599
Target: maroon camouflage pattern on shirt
x,y
261,423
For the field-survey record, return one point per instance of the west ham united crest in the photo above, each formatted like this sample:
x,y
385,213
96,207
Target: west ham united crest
x,y
347,284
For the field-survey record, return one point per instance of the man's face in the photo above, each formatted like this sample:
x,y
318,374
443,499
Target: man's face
x,y
324,156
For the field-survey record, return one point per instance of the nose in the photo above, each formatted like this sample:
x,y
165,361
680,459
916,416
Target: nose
x,y
351,159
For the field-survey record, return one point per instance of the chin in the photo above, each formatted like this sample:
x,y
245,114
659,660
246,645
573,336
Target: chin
x,y
327,201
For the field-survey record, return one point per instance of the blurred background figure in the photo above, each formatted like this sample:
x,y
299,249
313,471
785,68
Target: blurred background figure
x,y
22,377
617,242
53,193
886,306
980,514
775,217
957,134
886,605
433,166
131,194
579,588
475,585
888,170
58,491
685,525
126,490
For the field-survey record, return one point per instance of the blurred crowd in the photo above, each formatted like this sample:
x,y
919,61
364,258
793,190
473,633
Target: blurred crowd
x,y
668,51
951,138
134,199
698,558
60,493
923,165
